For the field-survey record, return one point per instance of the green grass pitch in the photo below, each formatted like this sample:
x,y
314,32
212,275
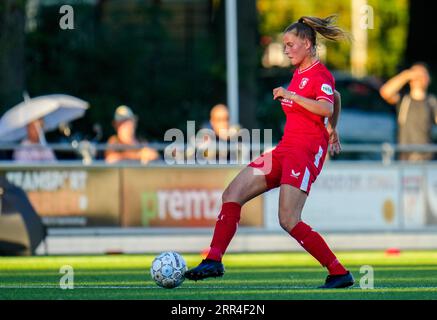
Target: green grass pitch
x,y
267,276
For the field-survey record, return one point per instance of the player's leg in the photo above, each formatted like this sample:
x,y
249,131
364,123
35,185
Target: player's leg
x,y
245,186
291,203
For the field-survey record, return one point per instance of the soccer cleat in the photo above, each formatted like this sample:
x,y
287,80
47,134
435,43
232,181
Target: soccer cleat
x,y
338,281
206,269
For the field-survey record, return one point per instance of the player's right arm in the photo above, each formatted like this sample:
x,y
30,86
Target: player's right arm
x,y
390,90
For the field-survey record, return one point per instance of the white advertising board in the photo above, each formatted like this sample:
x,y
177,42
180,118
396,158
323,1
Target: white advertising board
x,y
413,187
346,199
431,196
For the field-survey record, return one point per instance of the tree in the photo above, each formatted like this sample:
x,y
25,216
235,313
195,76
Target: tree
x,y
386,41
12,35
248,57
248,47
421,43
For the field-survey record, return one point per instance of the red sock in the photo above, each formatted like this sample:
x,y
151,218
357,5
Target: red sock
x,y
313,242
224,231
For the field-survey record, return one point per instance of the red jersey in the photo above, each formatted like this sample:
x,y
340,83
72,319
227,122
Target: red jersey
x,y
298,159
303,127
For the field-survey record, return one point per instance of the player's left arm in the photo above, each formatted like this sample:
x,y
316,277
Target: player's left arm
x,y
333,120
334,139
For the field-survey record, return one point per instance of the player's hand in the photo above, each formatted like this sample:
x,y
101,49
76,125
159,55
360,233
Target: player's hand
x,y
334,141
280,93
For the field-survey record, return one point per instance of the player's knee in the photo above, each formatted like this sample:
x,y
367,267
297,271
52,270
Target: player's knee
x,y
286,225
226,195
230,195
288,221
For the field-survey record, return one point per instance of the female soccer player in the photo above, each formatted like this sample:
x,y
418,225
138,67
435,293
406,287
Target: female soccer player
x,y
311,106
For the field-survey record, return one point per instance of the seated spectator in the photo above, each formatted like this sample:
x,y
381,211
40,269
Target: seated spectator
x,y
223,134
34,148
125,123
219,121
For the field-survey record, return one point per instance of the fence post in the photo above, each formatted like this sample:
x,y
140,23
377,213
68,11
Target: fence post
x,y
387,153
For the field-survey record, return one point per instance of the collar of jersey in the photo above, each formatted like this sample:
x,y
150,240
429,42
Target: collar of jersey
x,y
308,68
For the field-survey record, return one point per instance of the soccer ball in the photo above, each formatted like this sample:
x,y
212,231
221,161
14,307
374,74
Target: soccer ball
x,y
168,270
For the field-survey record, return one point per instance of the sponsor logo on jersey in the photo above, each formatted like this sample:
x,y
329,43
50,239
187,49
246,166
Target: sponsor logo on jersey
x,y
326,88
295,174
287,103
303,83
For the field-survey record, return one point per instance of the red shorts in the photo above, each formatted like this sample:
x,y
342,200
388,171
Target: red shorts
x,y
296,166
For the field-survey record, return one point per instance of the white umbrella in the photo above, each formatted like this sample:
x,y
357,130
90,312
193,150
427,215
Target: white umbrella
x,y
54,109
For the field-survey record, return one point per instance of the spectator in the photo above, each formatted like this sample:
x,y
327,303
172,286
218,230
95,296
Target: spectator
x,y
219,121
125,123
223,134
34,148
417,109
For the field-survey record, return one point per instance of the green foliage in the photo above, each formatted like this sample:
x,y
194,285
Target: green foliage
x,y
8,4
386,41
139,53
11,52
125,54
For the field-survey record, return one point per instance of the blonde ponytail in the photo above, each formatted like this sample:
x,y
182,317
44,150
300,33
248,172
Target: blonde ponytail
x,y
307,27
325,27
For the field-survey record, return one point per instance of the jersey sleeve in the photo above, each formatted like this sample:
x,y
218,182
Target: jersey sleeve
x,y
324,87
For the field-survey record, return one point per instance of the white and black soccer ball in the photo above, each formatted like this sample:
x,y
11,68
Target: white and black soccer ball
x,y
168,270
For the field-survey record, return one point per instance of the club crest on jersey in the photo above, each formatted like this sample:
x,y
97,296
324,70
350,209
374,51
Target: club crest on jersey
x,y
303,83
326,88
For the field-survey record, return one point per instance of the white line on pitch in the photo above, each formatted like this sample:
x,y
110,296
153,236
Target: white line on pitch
x,y
200,287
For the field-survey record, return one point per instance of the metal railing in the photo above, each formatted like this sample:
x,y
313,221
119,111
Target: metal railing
x,y
87,151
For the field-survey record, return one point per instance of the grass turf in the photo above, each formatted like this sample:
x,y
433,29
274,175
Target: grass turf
x,y
268,276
